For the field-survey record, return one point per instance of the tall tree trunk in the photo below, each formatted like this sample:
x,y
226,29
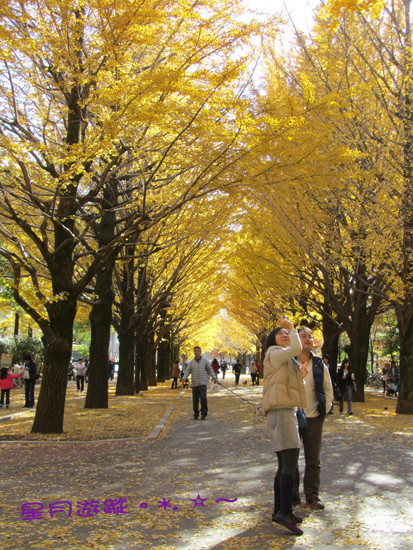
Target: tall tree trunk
x,y
125,326
124,384
137,364
244,363
164,349
143,354
101,314
175,353
359,333
263,339
151,363
100,323
15,358
58,331
405,400
57,353
405,311
16,324
331,337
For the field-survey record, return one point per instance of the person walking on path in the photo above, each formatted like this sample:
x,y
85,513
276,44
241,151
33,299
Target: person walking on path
x,y
6,384
258,372
199,369
111,369
237,370
86,371
253,373
29,380
319,395
283,392
345,381
175,374
223,369
80,375
385,376
215,367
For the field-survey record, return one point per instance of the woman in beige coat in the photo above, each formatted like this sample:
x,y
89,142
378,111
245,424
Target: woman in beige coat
x,y
283,393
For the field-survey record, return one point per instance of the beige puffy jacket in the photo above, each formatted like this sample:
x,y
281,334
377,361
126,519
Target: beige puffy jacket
x,y
283,381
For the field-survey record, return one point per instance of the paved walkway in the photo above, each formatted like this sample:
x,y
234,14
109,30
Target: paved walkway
x,y
172,487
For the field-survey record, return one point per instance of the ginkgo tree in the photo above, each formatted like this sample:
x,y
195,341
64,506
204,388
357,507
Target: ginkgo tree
x,y
336,8
158,276
355,82
312,203
144,96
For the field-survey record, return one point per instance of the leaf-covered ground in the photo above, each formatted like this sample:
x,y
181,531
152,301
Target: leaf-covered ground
x,y
126,416
367,479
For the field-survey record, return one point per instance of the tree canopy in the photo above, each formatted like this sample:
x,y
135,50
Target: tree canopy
x,y
146,175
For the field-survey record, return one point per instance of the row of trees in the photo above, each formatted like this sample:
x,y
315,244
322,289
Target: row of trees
x,y
333,244
138,163
122,125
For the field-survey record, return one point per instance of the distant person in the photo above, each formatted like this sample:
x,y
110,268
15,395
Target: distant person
x,y
71,371
175,374
236,369
199,369
181,375
6,384
215,367
258,372
385,376
29,380
223,369
345,380
80,375
183,369
253,373
111,369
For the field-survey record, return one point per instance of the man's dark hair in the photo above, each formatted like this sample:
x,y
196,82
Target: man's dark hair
x,y
26,357
326,356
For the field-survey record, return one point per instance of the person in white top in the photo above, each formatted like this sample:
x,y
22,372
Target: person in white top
x,y
319,394
80,375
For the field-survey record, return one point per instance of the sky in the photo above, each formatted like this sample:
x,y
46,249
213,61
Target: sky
x,y
301,12
300,9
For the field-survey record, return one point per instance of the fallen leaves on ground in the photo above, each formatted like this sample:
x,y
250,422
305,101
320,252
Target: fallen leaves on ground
x,y
228,456
127,416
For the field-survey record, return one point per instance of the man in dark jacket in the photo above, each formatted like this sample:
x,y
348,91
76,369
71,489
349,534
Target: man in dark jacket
x,y
223,369
319,394
30,382
237,368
